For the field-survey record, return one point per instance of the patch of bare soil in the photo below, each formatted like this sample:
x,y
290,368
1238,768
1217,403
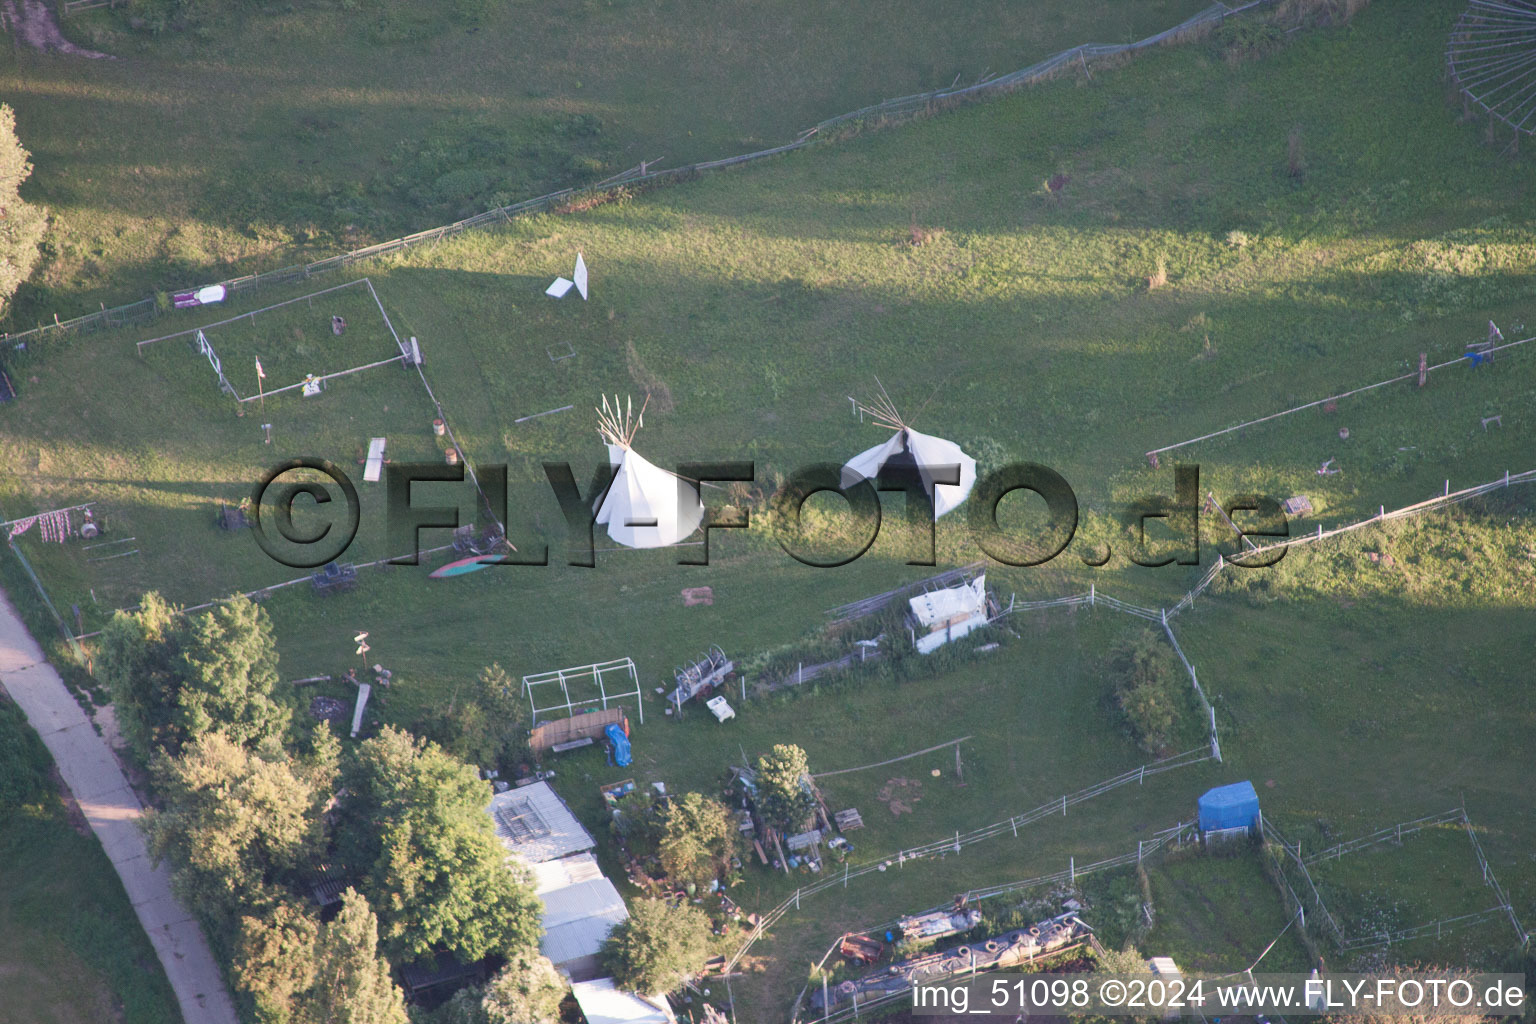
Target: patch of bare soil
x,y
72,812
32,22
900,794
654,386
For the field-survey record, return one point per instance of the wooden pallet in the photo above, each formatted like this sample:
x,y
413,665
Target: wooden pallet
x,y
848,819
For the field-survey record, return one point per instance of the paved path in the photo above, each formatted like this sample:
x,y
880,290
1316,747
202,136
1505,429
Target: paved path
x,y
112,809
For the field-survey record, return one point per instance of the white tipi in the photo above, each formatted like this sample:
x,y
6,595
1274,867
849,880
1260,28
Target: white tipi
x,y
911,451
645,506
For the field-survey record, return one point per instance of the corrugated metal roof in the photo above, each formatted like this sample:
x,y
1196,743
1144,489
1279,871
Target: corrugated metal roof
x,y
602,1002
584,899
557,874
579,939
534,824
577,918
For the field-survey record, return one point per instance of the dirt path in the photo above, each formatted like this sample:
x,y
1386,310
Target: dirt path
x,y
33,23
112,811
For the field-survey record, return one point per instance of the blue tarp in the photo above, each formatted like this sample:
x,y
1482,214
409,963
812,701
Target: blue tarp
x,y
620,744
1234,806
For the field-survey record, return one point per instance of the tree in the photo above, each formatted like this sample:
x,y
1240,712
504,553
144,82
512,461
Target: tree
x,y
414,826
228,674
136,662
658,947
297,971
528,990
21,224
698,837
174,679
275,960
233,824
352,983
485,722
783,787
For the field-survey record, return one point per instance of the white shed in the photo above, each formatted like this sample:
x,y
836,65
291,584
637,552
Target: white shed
x,y
940,616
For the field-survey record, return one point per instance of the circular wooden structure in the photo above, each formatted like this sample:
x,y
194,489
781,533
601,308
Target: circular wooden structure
x,y
1492,61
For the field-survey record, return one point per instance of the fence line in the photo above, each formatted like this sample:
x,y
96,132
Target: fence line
x,y
1438,927
1411,375
959,840
1395,833
464,459
1175,835
253,314
1144,848
320,379
1390,833
1294,852
263,591
1194,680
147,309
1492,881
1407,511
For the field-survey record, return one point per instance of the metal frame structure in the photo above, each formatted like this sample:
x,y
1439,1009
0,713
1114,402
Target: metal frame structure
x,y
594,673
1491,57
408,353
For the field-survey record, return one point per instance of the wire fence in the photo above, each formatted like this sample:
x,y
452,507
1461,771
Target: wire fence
x,y
1461,360
1293,852
960,840
1170,837
1394,834
146,310
1174,836
1437,928
1408,511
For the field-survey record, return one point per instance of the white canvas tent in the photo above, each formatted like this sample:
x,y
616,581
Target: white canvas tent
x,y
909,450
645,506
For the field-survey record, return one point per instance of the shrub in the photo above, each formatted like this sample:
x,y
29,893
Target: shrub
x,y
1149,689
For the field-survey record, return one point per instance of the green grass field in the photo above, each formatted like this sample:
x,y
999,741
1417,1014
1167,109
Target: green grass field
x,y
1354,692
306,128
71,949
1216,912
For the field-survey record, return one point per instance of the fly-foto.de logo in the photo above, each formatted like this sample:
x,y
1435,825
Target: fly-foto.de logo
x,y
647,506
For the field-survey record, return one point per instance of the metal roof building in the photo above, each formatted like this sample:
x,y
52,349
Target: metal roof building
x,y
535,826
602,1003
580,906
557,874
